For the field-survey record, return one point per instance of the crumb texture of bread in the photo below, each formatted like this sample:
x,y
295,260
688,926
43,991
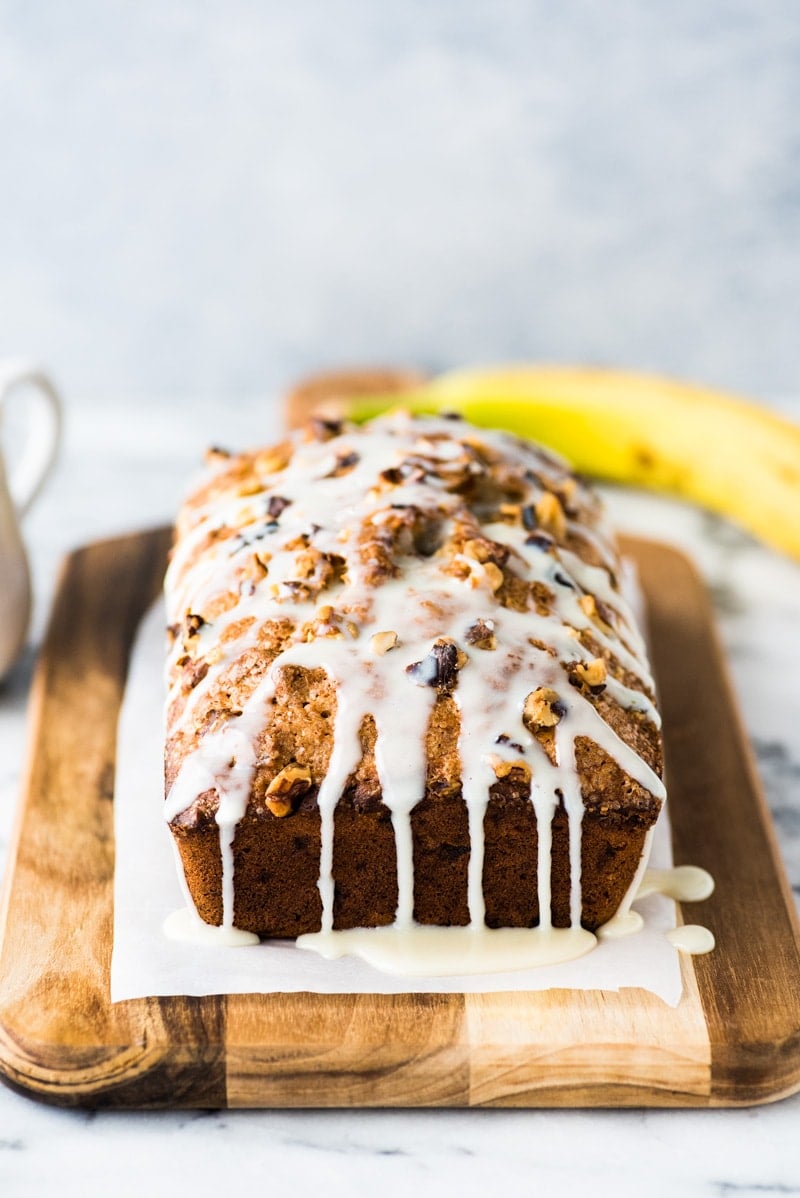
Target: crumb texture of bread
x,y
404,687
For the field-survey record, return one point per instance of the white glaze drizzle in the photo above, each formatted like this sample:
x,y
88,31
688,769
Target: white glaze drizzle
x,y
682,883
492,686
625,920
446,952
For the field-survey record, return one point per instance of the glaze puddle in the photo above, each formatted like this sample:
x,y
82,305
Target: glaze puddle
x,y
449,952
186,926
693,939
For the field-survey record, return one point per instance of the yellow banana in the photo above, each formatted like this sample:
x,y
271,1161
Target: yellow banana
x,y
718,450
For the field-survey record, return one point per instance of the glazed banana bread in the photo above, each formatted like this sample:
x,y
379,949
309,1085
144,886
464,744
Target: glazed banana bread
x,y
404,687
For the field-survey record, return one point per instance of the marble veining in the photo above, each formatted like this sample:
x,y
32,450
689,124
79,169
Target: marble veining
x,y
150,451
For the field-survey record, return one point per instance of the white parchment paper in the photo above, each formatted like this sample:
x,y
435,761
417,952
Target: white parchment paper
x,y
146,891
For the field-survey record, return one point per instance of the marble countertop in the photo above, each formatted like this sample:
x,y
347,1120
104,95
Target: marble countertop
x,y
125,466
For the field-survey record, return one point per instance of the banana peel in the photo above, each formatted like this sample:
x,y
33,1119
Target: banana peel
x,y
717,450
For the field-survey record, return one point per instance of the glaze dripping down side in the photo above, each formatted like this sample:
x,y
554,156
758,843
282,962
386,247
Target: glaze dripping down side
x,y
404,688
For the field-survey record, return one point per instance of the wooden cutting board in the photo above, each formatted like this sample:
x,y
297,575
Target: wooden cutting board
x,y
733,1039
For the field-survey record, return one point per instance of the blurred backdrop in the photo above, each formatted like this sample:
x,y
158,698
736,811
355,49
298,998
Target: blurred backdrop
x,y
205,199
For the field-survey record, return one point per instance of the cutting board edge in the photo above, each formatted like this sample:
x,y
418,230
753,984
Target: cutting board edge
x,y
19,1067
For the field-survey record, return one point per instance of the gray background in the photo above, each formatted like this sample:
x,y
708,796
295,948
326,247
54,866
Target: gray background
x,y
211,198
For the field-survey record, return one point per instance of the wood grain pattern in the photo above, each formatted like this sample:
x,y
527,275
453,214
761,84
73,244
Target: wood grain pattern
x,y
734,1038
749,990
645,1054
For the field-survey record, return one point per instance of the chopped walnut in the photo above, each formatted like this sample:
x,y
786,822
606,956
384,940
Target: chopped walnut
x,y
481,635
256,568
286,787
510,512
320,429
460,568
250,486
594,672
273,460
590,676
494,575
306,563
194,673
482,549
503,768
479,550
382,642
550,515
345,462
192,623
543,708
597,613
568,493
324,624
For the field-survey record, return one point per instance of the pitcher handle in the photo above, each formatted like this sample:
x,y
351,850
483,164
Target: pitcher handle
x,y
43,434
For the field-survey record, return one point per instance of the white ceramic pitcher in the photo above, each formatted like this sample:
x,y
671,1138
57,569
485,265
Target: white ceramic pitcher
x,y
19,486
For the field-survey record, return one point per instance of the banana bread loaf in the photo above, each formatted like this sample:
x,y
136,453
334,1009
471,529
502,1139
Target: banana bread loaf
x,y
404,687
